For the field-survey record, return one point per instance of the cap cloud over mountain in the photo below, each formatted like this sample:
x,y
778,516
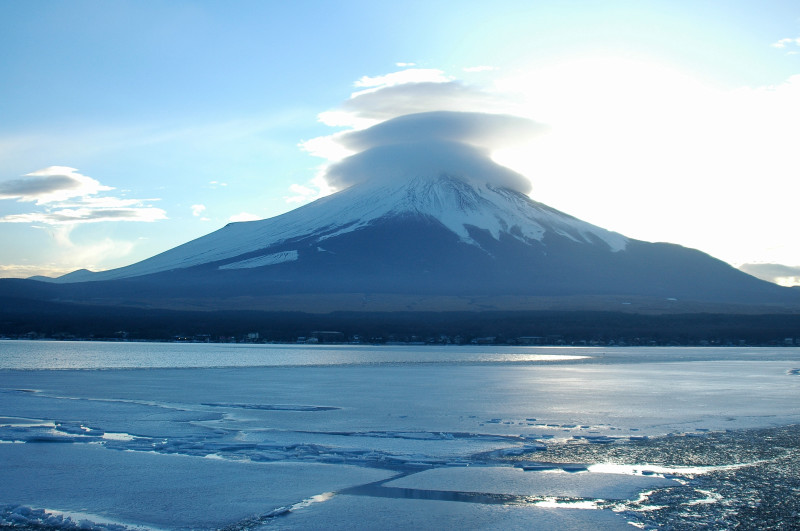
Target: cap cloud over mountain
x,y
432,143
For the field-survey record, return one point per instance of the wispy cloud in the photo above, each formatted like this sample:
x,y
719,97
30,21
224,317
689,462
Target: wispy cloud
x,y
410,75
791,45
198,210
86,215
786,43
303,194
67,197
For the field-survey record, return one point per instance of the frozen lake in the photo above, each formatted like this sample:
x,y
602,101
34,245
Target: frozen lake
x,y
211,436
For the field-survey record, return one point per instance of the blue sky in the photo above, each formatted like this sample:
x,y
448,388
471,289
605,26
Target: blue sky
x,y
127,128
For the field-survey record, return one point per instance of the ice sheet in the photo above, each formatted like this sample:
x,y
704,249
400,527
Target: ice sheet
x,y
165,491
210,447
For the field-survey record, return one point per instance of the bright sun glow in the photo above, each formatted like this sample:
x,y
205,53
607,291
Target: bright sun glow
x,y
634,140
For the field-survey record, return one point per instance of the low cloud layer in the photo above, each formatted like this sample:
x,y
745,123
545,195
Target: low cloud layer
x,y
68,197
777,273
86,215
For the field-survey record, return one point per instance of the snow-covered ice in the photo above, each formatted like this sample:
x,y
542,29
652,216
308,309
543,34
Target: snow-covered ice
x,y
152,489
357,437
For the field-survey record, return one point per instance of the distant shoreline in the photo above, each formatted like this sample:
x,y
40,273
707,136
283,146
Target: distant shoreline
x,y
704,344
58,321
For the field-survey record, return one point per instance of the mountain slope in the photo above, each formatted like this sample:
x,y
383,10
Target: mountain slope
x,y
451,202
445,238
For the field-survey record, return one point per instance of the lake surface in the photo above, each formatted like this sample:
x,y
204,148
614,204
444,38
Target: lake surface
x,y
145,355
175,435
58,355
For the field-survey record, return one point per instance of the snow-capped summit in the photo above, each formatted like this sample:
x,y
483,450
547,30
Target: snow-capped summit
x,y
449,201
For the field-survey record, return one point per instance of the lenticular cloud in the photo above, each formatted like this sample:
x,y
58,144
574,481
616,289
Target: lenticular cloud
x,y
421,129
432,143
478,129
395,100
394,162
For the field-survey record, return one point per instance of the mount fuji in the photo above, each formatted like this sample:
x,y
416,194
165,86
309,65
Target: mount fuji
x,y
424,220
450,238
378,230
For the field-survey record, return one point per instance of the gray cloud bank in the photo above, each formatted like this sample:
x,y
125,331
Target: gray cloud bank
x,y
67,197
33,187
52,184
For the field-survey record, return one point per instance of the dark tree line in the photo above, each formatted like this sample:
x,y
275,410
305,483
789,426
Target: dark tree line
x,y
21,318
